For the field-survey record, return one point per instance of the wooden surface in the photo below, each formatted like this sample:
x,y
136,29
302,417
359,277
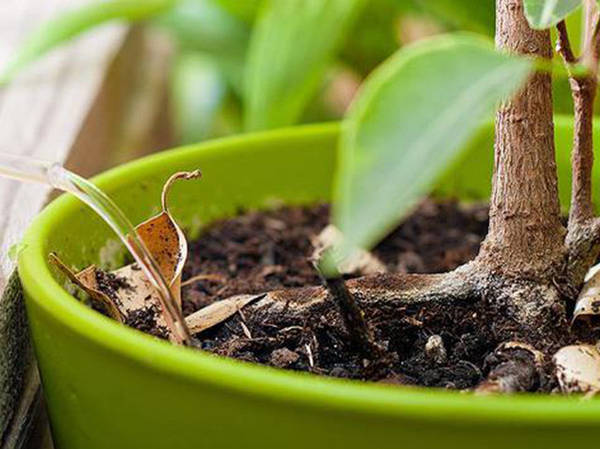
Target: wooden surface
x,y
42,112
90,104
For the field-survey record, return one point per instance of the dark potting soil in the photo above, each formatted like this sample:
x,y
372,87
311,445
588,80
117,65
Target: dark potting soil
x,y
256,252
261,251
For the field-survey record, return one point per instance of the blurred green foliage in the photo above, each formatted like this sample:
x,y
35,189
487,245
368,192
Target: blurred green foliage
x,y
256,64
292,44
543,14
72,23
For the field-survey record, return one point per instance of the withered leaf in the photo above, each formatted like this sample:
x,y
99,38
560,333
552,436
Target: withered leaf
x,y
587,307
87,281
578,369
133,292
218,312
128,293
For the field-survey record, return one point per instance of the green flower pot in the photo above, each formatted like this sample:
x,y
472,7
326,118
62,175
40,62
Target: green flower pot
x,y
109,386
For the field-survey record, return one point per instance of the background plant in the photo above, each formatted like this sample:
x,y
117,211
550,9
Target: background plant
x,y
270,64
225,52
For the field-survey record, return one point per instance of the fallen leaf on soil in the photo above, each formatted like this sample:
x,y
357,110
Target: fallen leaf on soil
x,y
587,307
87,281
510,371
538,356
218,312
578,369
360,262
127,294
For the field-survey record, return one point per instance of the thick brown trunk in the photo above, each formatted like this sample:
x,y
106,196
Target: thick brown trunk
x,y
525,235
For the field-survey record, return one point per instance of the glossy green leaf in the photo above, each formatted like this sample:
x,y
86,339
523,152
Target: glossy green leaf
x,y
72,23
290,48
542,14
408,124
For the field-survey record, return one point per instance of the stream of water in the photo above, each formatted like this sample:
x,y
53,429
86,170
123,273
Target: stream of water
x,y
53,174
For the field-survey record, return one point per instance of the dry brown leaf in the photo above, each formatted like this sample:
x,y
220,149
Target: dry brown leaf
x,y
578,369
538,356
218,312
131,292
360,262
587,307
512,374
87,281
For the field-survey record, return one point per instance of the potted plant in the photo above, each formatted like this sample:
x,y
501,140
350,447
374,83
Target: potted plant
x,y
109,386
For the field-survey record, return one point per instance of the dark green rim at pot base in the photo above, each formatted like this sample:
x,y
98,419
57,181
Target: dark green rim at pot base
x,y
109,386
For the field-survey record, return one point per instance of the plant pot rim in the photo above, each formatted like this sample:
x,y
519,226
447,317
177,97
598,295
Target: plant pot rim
x,y
260,381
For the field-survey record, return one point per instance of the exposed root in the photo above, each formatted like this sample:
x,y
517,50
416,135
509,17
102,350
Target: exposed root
x,y
382,289
397,312
421,315
528,311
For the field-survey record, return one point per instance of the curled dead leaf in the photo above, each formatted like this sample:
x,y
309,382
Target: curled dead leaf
x,y
578,369
130,294
515,367
360,262
587,307
87,280
538,356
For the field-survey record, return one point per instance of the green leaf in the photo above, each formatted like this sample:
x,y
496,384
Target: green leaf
x,y
470,15
408,124
542,14
243,9
204,25
197,94
290,48
373,36
73,23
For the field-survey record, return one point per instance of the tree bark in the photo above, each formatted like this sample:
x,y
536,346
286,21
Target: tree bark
x,y
525,237
583,237
583,89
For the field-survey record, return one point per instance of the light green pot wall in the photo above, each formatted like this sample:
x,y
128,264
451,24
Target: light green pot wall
x,y
111,387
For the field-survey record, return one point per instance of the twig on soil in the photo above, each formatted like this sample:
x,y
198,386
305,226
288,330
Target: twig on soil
x,y
245,330
203,277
